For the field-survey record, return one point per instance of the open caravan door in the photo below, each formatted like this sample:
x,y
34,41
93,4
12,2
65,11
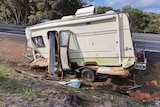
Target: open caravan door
x,y
64,45
58,51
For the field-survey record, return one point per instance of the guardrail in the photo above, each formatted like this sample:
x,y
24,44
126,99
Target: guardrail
x,y
15,32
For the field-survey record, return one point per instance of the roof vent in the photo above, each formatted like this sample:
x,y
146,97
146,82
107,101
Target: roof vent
x,y
68,17
110,12
87,11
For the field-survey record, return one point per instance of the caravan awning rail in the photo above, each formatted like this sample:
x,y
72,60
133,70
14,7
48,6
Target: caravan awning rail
x,y
70,22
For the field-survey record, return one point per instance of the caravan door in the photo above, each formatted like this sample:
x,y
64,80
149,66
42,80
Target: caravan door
x,y
64,46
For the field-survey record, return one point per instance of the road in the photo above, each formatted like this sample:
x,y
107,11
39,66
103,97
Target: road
x,y
15,32
149,42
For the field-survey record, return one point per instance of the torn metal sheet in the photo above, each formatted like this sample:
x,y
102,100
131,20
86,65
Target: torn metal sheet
x,y
73,83
135,87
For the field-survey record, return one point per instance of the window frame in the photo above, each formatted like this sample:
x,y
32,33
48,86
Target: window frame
x,y
38,41
60,38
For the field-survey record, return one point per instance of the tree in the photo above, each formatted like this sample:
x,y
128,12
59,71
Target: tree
x,y
5,13
53,9
24,11
103,9
15,10
138,20
154,23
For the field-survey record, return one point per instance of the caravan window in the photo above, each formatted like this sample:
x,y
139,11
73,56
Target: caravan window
x,y
64,37
38,42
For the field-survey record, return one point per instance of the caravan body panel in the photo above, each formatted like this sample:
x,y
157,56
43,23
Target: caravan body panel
x,y
102,39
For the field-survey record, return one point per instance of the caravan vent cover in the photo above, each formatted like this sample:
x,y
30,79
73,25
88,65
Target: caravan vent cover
x,y
86,11
68,17
110,12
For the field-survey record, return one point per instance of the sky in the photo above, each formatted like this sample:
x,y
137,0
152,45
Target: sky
x,y
144,5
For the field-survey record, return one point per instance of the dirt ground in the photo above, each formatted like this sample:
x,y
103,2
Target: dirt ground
x,y
52,94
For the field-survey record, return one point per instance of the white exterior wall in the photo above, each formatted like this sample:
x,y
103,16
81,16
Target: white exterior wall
x,y
96,40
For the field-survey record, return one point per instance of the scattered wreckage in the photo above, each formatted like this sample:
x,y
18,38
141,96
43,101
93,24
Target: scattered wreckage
x,y
85,44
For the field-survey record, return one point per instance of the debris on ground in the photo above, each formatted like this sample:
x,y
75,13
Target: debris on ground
x,y
156,96
24,72
138,95
73,83
92,94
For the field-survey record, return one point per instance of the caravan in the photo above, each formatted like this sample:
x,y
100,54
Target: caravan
x,y
85,43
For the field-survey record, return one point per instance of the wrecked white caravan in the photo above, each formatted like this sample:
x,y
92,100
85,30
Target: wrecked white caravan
x,y
85,43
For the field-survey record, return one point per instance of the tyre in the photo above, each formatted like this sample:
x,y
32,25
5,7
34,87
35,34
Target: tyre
x,y
88,75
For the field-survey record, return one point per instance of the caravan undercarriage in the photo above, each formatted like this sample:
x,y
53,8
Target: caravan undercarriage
x,y
86,72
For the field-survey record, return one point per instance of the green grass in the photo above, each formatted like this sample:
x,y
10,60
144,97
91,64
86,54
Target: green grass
x,y
12,86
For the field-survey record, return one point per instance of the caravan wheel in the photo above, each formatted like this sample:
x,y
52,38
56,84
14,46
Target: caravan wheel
x,y
88,74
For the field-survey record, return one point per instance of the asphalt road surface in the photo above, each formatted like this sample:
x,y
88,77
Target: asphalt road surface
x,y
15,32
149,42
